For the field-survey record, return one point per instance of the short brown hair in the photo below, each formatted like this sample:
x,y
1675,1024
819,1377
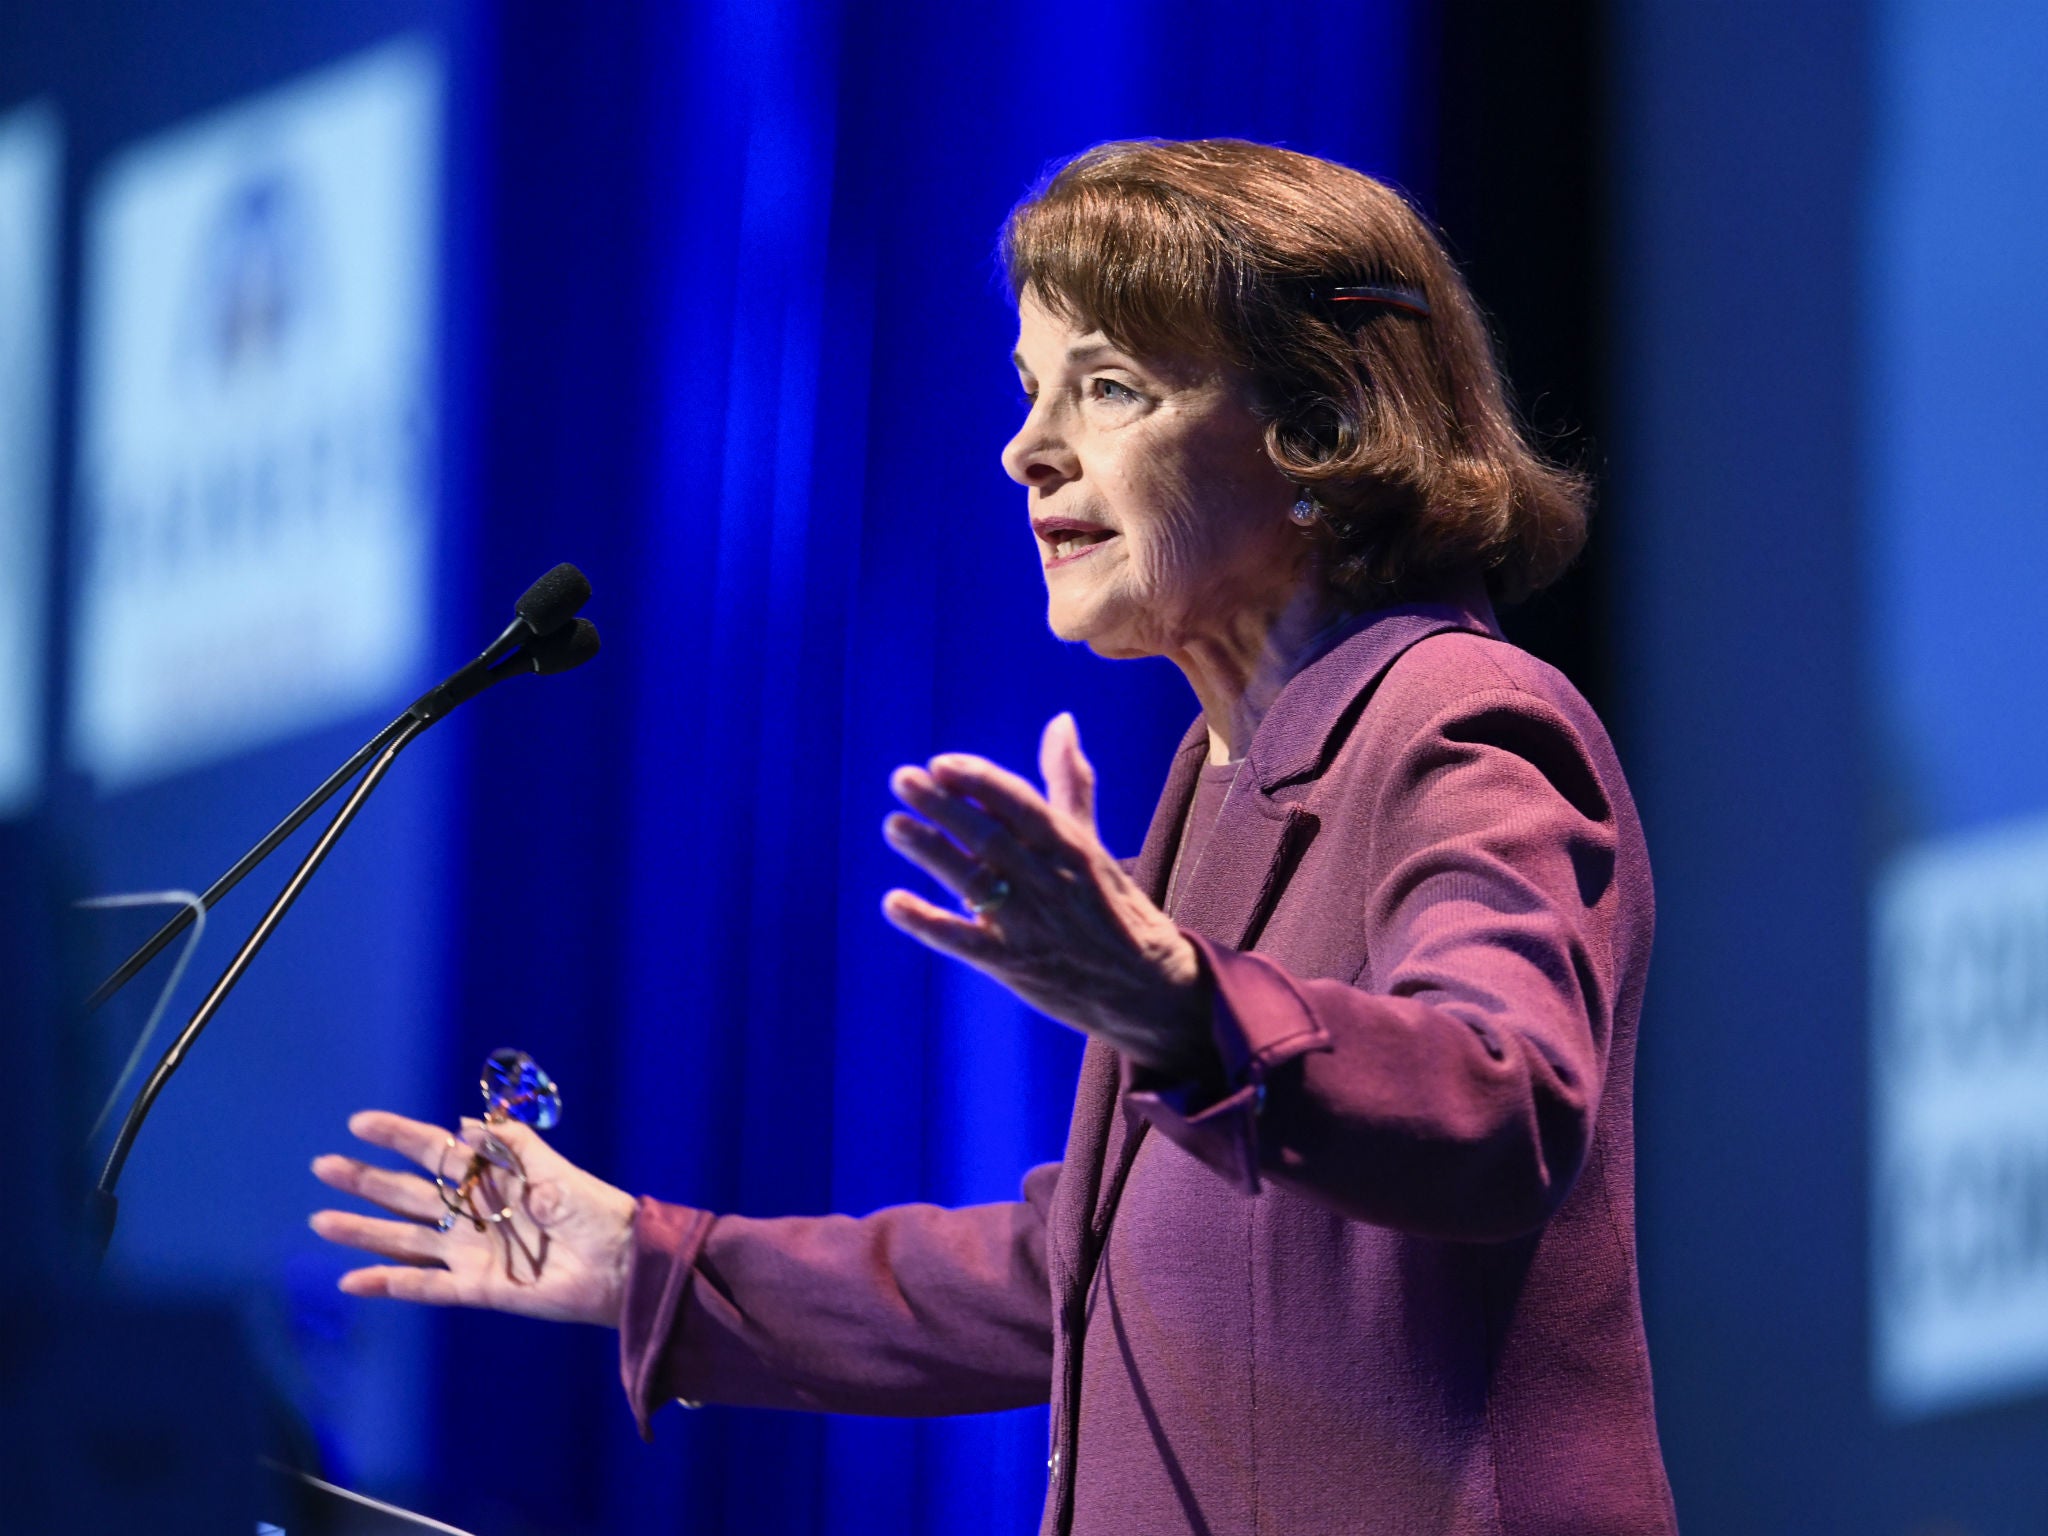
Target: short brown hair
x,y
1397,424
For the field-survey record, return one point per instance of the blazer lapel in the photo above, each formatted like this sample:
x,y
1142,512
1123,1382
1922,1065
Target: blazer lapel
x,y
1084,1198
1255,843
1155,860
1258,840
1224,900
1073,1207
1308,719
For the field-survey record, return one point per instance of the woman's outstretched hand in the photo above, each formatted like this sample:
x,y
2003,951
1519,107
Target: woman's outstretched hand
x,y
578,1228
1052,916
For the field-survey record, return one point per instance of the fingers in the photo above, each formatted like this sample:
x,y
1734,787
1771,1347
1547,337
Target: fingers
x,y
406,1241
435,1287
932,851
968,825
983,806
1069,776
402,1194
947,932
414,1139
1011,799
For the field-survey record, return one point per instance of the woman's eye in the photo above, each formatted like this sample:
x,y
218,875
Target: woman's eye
x,y
1111,389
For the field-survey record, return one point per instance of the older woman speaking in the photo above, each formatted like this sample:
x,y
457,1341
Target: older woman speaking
x,y
1343,1239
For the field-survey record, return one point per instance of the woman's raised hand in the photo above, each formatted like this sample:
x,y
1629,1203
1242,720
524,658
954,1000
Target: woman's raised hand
x,y
1050,914
561,1254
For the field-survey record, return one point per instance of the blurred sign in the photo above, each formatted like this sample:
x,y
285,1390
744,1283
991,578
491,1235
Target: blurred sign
x,y
256,429
29,148
1960,1121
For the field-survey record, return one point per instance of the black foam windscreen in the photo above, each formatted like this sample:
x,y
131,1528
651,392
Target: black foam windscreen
x,y
564,649
554,600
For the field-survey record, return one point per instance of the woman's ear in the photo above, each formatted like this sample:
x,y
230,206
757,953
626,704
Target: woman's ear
x,y
1069,776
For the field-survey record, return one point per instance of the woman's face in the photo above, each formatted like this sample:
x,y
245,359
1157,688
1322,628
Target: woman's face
x,y
1160,521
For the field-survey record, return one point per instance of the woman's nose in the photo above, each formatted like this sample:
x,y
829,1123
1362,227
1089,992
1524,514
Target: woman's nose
x,y
1036,456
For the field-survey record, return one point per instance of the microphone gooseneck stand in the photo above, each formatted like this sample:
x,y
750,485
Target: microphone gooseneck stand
x,y
211,897
541,614
556,644
103,1205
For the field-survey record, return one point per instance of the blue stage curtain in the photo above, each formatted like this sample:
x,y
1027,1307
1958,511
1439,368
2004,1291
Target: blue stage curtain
x,y
740,351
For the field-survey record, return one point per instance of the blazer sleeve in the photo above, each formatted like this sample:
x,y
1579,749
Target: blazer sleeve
x,y
1450,1090
912,1310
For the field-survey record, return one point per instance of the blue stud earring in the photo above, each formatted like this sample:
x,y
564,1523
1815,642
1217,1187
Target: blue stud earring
x,y
1304,511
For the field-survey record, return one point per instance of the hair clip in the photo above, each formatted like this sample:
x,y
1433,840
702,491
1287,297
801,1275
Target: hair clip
x,y
1408,300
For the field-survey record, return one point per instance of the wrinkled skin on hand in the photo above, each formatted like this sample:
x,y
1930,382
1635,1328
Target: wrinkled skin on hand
x,y
1075,937
578,1227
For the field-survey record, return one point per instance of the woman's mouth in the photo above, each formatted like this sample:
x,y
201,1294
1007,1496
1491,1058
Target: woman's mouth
x,y
1066,545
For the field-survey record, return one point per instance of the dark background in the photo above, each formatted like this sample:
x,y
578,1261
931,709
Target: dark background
x,y
721,325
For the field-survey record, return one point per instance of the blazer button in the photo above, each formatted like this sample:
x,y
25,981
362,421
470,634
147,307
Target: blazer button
x,y
1052,1462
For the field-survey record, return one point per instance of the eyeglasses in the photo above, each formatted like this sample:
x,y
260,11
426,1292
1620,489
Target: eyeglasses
x,y
514,1088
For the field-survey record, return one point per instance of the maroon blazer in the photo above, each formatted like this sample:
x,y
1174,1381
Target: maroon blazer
x,y
1388,1283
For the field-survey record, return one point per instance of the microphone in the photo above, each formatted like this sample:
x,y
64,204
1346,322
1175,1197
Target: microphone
x,y
554,600
543,608
547,608
546,637
564,650
542,612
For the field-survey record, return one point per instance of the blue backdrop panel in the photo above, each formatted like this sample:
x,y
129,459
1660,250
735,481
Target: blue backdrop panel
x,y
1957,332
1739,175
1761,600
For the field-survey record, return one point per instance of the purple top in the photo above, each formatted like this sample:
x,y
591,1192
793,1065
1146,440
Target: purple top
x,y
1387,1281
1213,786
